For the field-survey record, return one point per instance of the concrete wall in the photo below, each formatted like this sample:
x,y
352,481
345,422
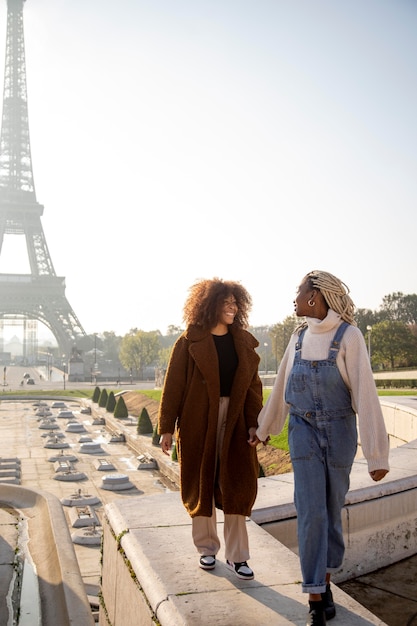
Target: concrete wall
x,y
400,421
379,522
379,519
125,601
63,599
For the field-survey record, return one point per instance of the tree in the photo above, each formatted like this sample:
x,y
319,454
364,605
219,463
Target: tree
x,y
280,335
393,345
174,330
139,349
365,318
111,345
164,355
410,309
144,423
120,410
400,308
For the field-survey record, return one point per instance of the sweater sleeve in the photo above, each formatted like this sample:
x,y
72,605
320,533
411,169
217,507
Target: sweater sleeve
x,y
272,418
365,401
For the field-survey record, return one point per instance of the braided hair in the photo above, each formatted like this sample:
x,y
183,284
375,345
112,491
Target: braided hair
x,y
335,292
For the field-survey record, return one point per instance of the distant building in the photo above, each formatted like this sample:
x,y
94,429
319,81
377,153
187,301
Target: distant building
x,y
14,346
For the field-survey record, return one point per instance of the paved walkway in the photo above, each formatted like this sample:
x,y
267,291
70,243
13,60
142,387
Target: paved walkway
x,y
21,438
389,594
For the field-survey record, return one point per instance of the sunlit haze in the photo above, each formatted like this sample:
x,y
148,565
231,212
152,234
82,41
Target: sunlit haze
x,y
251,140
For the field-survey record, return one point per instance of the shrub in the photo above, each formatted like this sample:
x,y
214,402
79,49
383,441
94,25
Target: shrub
x,y
111,402
174,455
120,408
102,401
96,394
155,436
396,383
144,423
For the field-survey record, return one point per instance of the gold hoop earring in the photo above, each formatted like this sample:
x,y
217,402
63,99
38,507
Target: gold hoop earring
x,y
311,302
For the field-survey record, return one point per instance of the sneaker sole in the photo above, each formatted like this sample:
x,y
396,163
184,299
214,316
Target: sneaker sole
x,y
207,567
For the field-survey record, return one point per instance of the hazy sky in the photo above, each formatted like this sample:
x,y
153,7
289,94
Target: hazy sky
x,y
250,140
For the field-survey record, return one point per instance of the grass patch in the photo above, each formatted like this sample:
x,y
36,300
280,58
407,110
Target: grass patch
x,y
280,441
153,394
397,392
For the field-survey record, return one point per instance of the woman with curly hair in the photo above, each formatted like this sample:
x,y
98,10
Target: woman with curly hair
x,y
324,381
211,399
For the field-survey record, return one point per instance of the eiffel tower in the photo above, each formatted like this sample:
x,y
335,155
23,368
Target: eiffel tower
x,y
39,295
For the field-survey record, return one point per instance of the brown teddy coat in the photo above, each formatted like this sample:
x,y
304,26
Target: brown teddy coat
x,y
190,404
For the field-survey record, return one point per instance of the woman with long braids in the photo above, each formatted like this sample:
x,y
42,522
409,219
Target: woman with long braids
x,y
211,398
324,381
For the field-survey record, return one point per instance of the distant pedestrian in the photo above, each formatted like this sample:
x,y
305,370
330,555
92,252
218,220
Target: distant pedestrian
x,y
324,380
211,398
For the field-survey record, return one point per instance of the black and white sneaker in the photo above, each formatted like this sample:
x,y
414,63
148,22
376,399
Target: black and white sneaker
x,y
242,570
207,562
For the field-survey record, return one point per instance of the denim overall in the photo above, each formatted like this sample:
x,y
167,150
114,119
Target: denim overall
x,y
322,439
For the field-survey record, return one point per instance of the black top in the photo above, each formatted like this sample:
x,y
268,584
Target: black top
x,y
227,362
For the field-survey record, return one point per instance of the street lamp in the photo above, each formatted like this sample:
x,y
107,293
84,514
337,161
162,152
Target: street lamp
x,y
266,361
369,329
64,365
95,352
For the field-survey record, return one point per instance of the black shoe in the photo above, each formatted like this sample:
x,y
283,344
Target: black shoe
x,y
207,562
329,607
242,570
316,616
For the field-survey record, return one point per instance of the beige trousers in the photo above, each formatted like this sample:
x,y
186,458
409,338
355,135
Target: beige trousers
x,y
204,529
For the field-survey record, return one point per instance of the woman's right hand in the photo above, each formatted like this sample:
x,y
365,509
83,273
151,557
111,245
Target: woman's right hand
x,y
166,443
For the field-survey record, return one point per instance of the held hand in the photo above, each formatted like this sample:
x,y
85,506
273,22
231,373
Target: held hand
x,y
253,439
378,474
166,443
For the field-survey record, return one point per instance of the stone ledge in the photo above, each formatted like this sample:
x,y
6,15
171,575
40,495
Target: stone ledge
x,y
63,596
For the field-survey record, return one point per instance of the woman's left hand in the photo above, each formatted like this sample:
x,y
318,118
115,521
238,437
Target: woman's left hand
x,y
378,474
253,439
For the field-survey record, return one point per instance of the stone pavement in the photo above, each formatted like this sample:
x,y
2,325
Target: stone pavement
x,y
390,594
22,438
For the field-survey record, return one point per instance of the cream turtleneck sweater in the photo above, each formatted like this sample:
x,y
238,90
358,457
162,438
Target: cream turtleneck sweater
x,y
353,363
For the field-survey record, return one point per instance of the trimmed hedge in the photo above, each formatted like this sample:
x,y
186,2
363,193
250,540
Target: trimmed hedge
x,y
121,408
111,402
104,396
396,383
155,436
144,423
96,395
